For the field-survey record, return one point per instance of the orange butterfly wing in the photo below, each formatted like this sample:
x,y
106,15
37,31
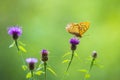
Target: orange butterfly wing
x,y
83,27
78,29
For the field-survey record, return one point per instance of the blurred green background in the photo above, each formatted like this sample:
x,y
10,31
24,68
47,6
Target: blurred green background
x,y
44,22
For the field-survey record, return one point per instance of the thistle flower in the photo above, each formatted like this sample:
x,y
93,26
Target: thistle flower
x,y
74,41
15,32
31,62
44,55
94,54
44,59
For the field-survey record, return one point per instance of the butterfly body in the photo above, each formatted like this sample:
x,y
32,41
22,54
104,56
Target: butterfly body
x,y
78,29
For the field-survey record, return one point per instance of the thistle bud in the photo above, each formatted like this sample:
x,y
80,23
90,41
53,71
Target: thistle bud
x,y
44,55
94,54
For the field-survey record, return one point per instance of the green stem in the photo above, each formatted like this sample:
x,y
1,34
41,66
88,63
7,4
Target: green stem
x,y
68,65
70,60
45,65
91,65
16,43
32,74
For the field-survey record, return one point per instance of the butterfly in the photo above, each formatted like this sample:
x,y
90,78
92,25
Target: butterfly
x,y
78,29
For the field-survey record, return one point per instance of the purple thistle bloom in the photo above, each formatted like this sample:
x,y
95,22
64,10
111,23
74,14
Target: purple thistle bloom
x,y
44,52
15,32
31,62
74,41
44,55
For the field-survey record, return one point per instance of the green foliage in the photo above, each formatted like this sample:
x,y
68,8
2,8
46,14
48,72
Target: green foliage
x,y
12,45
40,67
89,58
87,75
21,43
28,75
22,49
98,65
38,73
24,67
20,46
76,55
52,71
66,54
83,70
65,61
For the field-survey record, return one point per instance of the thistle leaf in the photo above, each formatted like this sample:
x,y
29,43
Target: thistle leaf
x,y
24,67
99,65
87,75
21,43
52,71
83,70
29,75
66,54
39,67
76,55
12,45
89,58
38,73
22,49
65,61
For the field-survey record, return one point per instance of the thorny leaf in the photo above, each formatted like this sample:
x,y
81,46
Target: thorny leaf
x,y
87,75
83,70
24,67
12,45
29,75
65,61
21,43
52,71
66,54
22,49
38,73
